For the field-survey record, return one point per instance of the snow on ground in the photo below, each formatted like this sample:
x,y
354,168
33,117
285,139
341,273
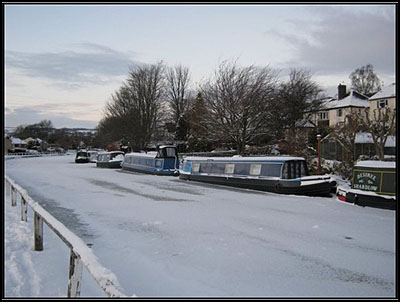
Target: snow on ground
x,y
162,236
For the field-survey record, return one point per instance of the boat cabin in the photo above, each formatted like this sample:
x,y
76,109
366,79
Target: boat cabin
x,y
111,159
276,174
82,156
373,184
164,161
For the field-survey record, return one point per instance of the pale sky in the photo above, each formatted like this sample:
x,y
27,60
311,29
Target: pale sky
x,y
63,62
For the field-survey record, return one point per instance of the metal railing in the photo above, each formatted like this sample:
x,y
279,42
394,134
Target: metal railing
x,y
80,255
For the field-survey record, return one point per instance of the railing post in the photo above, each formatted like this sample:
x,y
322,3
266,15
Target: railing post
x,y
38,222
13,196
75,275
24,209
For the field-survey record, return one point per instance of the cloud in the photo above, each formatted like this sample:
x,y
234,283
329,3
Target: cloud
x,y
31,115
342,40
95,64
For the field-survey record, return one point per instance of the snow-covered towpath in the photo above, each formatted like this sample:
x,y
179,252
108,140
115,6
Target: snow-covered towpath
x,y
162,236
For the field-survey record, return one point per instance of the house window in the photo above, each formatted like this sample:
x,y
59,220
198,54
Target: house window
x,y
382,103
323,115
339,112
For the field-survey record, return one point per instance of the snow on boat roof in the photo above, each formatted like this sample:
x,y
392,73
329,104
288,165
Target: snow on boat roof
x,y
376,164
111,152
249,158
151,154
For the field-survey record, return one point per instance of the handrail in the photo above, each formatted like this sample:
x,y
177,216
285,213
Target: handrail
x,y
80,255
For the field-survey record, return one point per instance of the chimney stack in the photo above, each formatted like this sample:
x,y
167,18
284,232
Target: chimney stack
x,y
341,91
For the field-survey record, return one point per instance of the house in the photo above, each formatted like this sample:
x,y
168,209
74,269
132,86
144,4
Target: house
x,y
17,145
386,98
336,110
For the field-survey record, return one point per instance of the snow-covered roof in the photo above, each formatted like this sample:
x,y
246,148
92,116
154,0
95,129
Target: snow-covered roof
x,y
250,158
366,138
17,141
151,154
386,92
354,99
376,164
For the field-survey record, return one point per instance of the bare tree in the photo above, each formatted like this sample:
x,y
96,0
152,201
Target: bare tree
x,y
238,101
134,110
298,99
345,134
381,126
365,80
178,93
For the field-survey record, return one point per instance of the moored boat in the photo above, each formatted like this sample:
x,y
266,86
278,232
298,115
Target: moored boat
x,y
111,159
162,162
286,175
81,156
373,185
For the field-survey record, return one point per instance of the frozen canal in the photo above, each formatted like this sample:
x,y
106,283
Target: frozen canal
x,y
162,236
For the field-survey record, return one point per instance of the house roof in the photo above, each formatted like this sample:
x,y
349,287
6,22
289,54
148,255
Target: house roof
x,y
16,140
386,92
354,99
366,138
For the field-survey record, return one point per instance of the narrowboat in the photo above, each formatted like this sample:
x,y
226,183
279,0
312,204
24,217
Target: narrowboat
x,y
111,159
82,156
286,175
164,161
373,185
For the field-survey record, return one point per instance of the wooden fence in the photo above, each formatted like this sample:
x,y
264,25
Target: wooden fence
x,y
80,255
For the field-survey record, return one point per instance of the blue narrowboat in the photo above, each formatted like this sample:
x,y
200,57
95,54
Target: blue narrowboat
x,y
286,175
164,161
111,159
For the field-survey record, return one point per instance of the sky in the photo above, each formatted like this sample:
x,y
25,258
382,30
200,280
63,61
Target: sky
x,y
63,62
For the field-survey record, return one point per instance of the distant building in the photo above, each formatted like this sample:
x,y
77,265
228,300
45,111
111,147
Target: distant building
x,y
384,98
336,110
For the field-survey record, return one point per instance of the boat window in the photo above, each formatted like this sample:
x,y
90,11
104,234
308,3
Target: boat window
x,y
205,168
159,163
170,152
294,169
195,167
229,168
255,169
271,170
242,169
217,168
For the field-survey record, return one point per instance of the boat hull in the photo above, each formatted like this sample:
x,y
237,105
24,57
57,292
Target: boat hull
x,y
321,188
374,201
150,170
111,165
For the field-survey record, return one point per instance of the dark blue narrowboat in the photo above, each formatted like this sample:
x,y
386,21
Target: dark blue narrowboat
x,y
164,161
286,175
111,159
373,185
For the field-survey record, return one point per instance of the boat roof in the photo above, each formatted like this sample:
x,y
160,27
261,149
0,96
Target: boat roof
x,y
111,152
376,164
151,154
249,158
